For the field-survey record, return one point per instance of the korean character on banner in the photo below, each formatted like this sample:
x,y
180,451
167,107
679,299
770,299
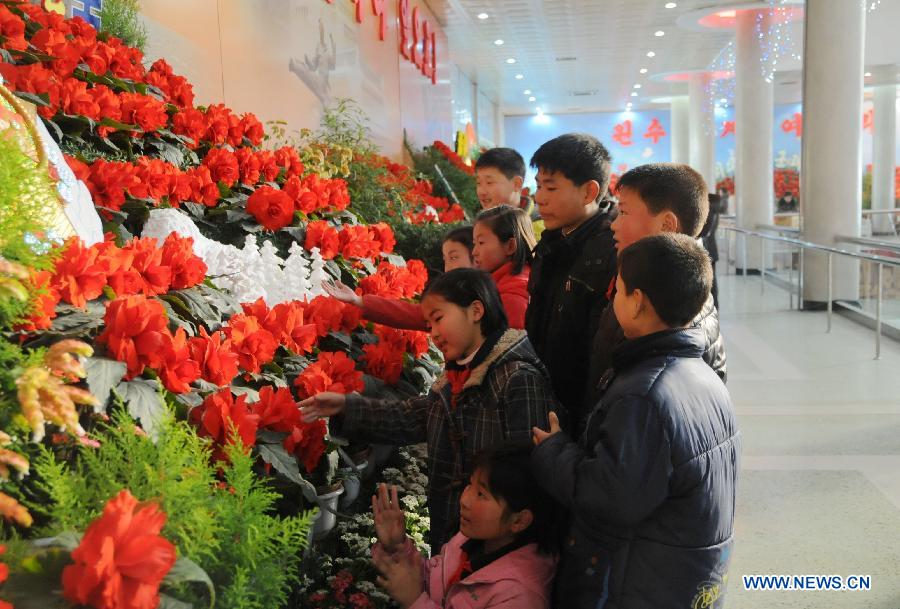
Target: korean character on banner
x,y
727,128
655,131
794,125
622,133
869,120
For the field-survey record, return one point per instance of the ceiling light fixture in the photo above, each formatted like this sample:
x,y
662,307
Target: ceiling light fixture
x,y
511,60
637,86
634,94
527,92
867,74
483,15
651,54
643,70
498,42
532,98
520,76
671,5
659,33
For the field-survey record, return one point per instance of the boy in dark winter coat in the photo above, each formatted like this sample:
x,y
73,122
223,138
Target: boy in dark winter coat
x,y
651,487
574,261
653,199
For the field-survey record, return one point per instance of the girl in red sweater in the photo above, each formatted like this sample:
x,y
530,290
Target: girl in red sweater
x,y
402,314
504,240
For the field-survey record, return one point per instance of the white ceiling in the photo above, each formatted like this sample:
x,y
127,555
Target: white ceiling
x,y
585,55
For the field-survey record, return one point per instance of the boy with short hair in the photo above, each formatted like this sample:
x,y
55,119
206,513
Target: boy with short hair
x,y
651,485
499,175
654,199
574,261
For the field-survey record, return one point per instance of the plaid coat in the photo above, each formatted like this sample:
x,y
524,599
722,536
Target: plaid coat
x,y
504,397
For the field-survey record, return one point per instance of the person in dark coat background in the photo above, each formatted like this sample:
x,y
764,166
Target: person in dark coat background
x,y
708,236
651,485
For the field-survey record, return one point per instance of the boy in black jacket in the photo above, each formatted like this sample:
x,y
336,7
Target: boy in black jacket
x,y
574,262
653,199
651,487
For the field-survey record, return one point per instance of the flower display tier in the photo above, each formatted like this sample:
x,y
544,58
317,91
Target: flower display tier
x,y
151,451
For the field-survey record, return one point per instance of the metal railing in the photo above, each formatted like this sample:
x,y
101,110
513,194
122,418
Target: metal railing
x,y
802,246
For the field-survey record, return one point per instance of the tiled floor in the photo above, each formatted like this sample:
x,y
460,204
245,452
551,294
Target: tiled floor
x,y
820,484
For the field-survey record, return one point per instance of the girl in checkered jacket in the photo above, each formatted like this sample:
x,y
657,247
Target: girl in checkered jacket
x,y
493,389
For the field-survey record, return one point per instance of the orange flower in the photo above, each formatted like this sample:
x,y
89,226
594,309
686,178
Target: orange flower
x,y
322,235
187,268
286,322
122,558
78,277
272,208
178,370
223,166
44,304
306,441
276,409
224,419
218,363
135,332
384,361
331,372
253,344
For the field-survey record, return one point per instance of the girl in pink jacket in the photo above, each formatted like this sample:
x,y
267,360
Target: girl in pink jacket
x,y
503,556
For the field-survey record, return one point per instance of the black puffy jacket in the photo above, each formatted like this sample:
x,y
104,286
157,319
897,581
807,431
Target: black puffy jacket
x,y
568,283
609,336
651,486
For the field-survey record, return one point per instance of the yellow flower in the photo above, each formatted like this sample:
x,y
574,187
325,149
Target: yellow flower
x,y
15,511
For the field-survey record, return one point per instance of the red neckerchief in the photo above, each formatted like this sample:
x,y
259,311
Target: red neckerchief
x,y
457,379
463,570
611,289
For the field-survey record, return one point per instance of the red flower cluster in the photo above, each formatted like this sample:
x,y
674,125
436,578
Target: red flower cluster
x,y
333,371
454,158
393,281
137,334
213,353
352,241
140,266
277,411
314,194
385,359
341,594
429,208
285,322
787,180
122,558
224,419
74,46
111,183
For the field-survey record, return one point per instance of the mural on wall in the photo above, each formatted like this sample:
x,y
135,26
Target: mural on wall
x,y
388,55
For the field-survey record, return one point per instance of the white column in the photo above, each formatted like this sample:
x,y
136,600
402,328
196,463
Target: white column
x,y
831,162
884,156
754,117
681,143
702,128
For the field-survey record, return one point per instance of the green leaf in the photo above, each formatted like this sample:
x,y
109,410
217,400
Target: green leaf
x,y
186,570
278,457
251,393
102,376
67,540
395,259
169,152
167,602
333,269
72,321
267,436
108,122
38,99
144,403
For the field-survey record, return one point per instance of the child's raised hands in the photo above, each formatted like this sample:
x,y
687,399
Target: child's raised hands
x,y
344,293
390,521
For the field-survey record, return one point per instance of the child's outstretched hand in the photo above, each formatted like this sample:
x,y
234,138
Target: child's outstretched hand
x,y
326,404
401,577
338,290
390,521
540,435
